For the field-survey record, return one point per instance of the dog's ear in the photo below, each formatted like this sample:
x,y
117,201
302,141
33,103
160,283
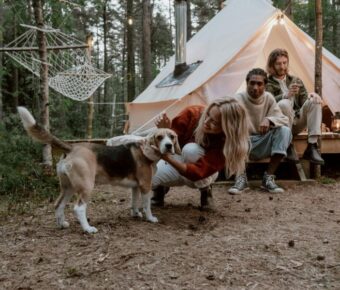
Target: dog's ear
x,y
177,148
151,139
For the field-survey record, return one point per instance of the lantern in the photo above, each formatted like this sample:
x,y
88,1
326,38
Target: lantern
x,y
336,122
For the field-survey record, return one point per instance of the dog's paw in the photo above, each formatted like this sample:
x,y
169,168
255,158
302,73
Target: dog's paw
x,y
65,225
152,219
62,224
91,230
136,214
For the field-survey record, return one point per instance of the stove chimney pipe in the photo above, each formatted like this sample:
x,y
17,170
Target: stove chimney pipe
x,y
181,37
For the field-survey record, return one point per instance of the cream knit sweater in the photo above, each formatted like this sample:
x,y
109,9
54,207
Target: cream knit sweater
x,y
259,109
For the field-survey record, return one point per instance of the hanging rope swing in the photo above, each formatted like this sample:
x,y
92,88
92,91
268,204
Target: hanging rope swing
x,y
69,69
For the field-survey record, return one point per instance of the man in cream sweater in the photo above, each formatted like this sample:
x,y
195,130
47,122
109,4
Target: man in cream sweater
x,y
268,127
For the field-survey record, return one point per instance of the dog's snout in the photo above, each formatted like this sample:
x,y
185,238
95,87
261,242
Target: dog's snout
x,y
167,145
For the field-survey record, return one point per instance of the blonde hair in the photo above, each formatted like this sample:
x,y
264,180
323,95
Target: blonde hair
x,y
234,123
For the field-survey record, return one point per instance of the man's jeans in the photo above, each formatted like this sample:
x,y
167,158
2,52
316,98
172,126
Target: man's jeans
x,y
275,141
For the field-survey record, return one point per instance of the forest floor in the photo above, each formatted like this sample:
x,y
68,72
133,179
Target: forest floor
x,y
255,240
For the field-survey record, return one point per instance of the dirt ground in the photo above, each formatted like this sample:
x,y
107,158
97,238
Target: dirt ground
x,y
255,240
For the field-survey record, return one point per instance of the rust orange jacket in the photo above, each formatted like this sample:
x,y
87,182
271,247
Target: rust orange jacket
x,y
184,124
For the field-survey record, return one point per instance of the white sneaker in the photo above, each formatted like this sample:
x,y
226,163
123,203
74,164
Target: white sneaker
x,y
268,183
241,184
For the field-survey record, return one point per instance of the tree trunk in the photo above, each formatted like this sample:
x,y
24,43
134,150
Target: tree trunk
x,y
335,27
38,14
15,72
189,23
318,61
106,63
90,105
124,69
97,97
288,9
123,97
1,59
147,75
170,16
16,86
318,47
131,88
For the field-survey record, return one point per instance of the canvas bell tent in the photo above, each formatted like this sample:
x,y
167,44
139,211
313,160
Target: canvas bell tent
x,y
240,37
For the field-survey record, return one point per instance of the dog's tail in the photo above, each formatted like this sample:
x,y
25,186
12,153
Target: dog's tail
x,y
39,133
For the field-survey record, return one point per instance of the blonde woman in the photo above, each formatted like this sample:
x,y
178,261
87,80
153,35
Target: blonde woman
x,y
211,138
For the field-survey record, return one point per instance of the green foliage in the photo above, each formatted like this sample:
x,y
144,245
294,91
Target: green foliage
x,y
326,180
161,41
202,12
68,118
281,4
21,175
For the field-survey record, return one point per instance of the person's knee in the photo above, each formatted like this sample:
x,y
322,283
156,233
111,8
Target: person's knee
x,y
163,174
283,130
191,152
203,183
284,133
312,105
156,182
285,106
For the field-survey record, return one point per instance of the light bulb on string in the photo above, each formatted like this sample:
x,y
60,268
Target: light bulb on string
x,y
279,19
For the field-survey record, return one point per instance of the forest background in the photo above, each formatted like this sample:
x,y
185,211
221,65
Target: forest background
x,y
133,40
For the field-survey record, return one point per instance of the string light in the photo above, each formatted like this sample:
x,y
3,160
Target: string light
x,y
280,19
130,21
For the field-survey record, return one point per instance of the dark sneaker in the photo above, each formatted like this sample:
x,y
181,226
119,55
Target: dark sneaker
x,y
312,154
158,196
207,201
268,183
241,184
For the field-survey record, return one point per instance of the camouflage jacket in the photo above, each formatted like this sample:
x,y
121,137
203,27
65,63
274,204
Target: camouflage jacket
x,y
273,87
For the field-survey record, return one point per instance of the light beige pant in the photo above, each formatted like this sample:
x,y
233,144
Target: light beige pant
x,y
309,116
166,175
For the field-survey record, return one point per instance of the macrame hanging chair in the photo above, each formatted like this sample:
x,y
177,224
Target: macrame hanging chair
x,y
69,69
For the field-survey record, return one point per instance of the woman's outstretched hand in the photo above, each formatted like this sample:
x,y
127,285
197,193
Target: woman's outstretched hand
x,y
162,121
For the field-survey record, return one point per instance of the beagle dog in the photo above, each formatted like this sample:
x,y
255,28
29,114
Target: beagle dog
x,y
86,164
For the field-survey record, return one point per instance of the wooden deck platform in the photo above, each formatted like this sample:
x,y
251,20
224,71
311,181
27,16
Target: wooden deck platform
x,y
330,143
